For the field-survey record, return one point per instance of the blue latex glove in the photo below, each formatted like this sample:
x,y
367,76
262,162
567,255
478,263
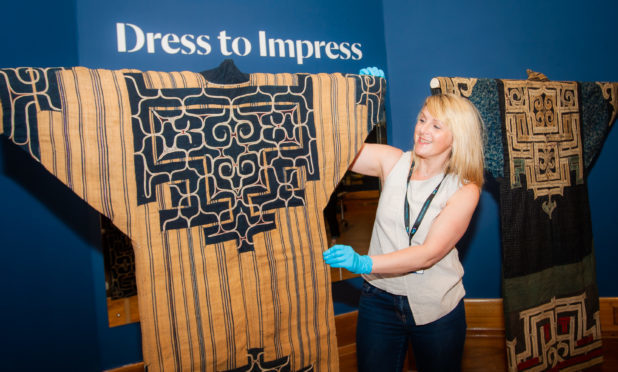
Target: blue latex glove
x,y
344,256
373,71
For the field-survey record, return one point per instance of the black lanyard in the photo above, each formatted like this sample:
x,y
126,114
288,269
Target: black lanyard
x,y
406,207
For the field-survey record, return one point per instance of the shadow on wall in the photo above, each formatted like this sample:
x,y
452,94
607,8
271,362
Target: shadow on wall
x,y
19,166
491,187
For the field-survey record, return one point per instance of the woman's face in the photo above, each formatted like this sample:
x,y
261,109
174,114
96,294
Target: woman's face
x,y
432,138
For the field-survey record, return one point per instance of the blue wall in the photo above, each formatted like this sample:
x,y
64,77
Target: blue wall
x,y
54,311
566,40
47,286
52,269
342,21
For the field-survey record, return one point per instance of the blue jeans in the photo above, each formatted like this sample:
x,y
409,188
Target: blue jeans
x,y
385,326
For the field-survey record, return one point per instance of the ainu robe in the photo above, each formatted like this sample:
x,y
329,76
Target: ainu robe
x,y
542,136
220,179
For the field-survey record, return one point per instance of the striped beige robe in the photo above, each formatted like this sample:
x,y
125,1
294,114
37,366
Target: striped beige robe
x,y
221,188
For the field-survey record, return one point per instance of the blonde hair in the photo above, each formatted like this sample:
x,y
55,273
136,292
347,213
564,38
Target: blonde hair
x,y
466,124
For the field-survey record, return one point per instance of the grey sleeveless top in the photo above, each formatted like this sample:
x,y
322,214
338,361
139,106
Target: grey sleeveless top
x,y
433,292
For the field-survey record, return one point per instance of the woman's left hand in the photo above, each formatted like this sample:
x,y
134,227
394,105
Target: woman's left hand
x,y
373,71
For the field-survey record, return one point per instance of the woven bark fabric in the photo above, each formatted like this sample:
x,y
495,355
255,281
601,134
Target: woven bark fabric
x,y
542,138
220,184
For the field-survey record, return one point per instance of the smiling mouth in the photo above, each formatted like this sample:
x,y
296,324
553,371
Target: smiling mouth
x,y
423,141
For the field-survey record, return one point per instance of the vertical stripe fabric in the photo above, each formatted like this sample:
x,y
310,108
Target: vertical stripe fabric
x,y
221,188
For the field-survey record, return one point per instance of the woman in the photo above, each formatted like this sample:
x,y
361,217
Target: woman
x,y
413,289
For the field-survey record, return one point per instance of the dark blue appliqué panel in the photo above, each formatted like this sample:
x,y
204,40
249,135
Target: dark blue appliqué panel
x,y
256,362
230,156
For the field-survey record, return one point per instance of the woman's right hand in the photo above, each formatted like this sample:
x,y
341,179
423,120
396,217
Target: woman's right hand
x,y
344,256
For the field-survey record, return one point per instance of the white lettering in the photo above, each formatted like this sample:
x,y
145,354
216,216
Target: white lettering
x,y
318,45
122,40
236,49
150,41
282,44
131,38
202,42
299,50
262,38
223,38
167,40
187,42
343,47
330,46
358,53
